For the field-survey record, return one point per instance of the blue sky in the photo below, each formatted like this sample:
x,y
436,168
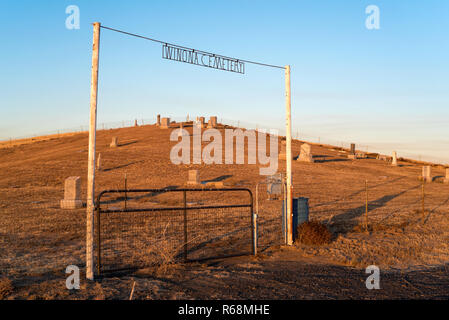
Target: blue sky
x,y
385,88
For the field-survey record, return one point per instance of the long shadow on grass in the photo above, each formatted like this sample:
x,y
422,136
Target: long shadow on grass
x,y
357,192
346,221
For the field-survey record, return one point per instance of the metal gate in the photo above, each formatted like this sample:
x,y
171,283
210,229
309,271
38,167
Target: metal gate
x,y
207,224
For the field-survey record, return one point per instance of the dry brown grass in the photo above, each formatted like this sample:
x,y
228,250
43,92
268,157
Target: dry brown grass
x,y
6,288
37,238
313,233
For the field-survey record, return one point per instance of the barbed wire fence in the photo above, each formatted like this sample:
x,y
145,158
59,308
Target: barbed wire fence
x,y
297,134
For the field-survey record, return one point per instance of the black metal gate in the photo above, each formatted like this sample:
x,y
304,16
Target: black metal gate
x,y
145,233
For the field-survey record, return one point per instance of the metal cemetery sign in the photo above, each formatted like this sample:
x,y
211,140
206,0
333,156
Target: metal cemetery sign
x,y
201,58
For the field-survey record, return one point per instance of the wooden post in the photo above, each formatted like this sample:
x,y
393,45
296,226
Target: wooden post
x,y
288,135
126,188
91,160
366,206
422,201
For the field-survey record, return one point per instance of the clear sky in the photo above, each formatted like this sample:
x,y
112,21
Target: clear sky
x,y
386,88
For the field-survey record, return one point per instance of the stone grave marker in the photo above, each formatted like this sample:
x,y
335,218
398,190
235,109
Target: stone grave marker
x,y
394,161
194,177
165,123
114,142
305,155
72,193
99,162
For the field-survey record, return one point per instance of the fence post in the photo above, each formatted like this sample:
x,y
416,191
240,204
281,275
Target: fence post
x,y
185,224
423,196
254,236
98,240
366,206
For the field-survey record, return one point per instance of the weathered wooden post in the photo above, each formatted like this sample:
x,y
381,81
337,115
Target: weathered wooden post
x,y
91,158
422,200
288,136
366,205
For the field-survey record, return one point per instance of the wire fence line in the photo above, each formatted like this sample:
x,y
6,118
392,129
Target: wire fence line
x,y
297,134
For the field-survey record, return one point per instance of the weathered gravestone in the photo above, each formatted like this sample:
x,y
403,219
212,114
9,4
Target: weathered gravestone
x,y
158,122
274,186
165,123
394,161
202,121
426,174
212,122
99,162
72,192
283,151
194,177
352,151
114,142
352,154
305,154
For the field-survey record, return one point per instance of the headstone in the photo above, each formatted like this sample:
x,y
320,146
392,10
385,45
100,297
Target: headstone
x,y
158,123
283,151
426,174
202,121
114,142
212,122
352,151
99,162
165,123
305,154
446,180
274,185
194,177
135,123
72,193
394,161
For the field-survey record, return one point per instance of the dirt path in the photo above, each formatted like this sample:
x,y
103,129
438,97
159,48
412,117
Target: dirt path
x,y
281,275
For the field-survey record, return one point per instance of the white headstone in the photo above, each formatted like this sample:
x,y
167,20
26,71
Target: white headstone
x,y
72,193
165,123
194,177
114,142
394,161
305,154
